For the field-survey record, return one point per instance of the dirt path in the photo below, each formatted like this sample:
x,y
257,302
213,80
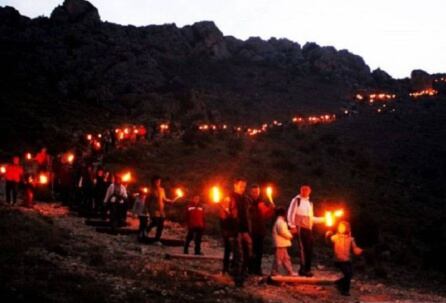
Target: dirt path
x,y
123,252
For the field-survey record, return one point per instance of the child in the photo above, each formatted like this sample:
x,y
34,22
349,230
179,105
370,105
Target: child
x,y
282,240
195,225
344,244
141,210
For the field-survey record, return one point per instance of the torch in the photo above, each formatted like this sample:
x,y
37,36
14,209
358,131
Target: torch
x,y
215,194
43,179
179,193
126,177
269,193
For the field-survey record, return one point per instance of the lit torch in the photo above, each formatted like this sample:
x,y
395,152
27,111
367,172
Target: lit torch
x,y
269,193
43,179
329,220
215,194
179,193
28,156
126,177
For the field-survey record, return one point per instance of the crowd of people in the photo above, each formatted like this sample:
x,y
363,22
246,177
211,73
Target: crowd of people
x,y
245,214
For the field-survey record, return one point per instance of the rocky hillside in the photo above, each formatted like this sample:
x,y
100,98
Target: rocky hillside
x,y
61,71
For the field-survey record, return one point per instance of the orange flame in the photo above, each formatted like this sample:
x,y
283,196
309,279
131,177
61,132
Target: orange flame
x,y
126,177
43,179
215,194
179,193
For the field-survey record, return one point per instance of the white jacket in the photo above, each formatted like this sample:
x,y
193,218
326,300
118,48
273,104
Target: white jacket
x,y
281,234
302,214
112,195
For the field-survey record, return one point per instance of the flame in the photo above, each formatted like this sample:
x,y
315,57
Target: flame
x,y
89,137
339,213
145,190
126,177
70,158
3,169
43,179
215,194
329,220
269,193
28,156
179,193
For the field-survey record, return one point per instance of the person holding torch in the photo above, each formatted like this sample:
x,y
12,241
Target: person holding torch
x,y
156,199
301,219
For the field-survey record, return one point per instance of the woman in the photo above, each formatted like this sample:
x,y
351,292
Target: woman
x,y
156,200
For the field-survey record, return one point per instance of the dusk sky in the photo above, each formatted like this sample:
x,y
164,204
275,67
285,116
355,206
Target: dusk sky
x,y
395,35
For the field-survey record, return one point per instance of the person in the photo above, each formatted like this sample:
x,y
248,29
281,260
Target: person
x,y
42,159
156,200
282,241
141,210
343,245
99,189
195,225
260,212
227,227
115,198
86,184
13,176
241,240
301,220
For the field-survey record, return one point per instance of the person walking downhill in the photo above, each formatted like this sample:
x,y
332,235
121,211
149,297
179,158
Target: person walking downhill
x,y
228,232
301,220
282,241
141,210
195,225
13,177
343,245
157,198
260,212
241,242
114,199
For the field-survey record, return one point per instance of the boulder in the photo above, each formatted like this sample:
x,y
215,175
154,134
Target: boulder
x,y
76,11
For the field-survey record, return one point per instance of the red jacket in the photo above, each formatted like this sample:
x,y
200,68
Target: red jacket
x,y
195,216
13,173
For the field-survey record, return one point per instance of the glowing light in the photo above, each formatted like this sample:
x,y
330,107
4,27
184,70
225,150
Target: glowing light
x,y
269,193
43,179
339,213
329,220
70,158
3,169
215,194
126,177
28,156
179,193
145,190
89,137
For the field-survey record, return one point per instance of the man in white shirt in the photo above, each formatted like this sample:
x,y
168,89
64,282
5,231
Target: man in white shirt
x,y
301,220
115,199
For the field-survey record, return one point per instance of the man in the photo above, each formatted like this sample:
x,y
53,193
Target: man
x,y
242,243
13,176
195,225
116,196
301,220
260,212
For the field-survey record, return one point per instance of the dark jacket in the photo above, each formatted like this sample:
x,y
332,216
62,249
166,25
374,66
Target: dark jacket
x,y
239,210
260,212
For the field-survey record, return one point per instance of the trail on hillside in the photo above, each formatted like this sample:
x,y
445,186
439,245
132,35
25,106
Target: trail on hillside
x,y
133,270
